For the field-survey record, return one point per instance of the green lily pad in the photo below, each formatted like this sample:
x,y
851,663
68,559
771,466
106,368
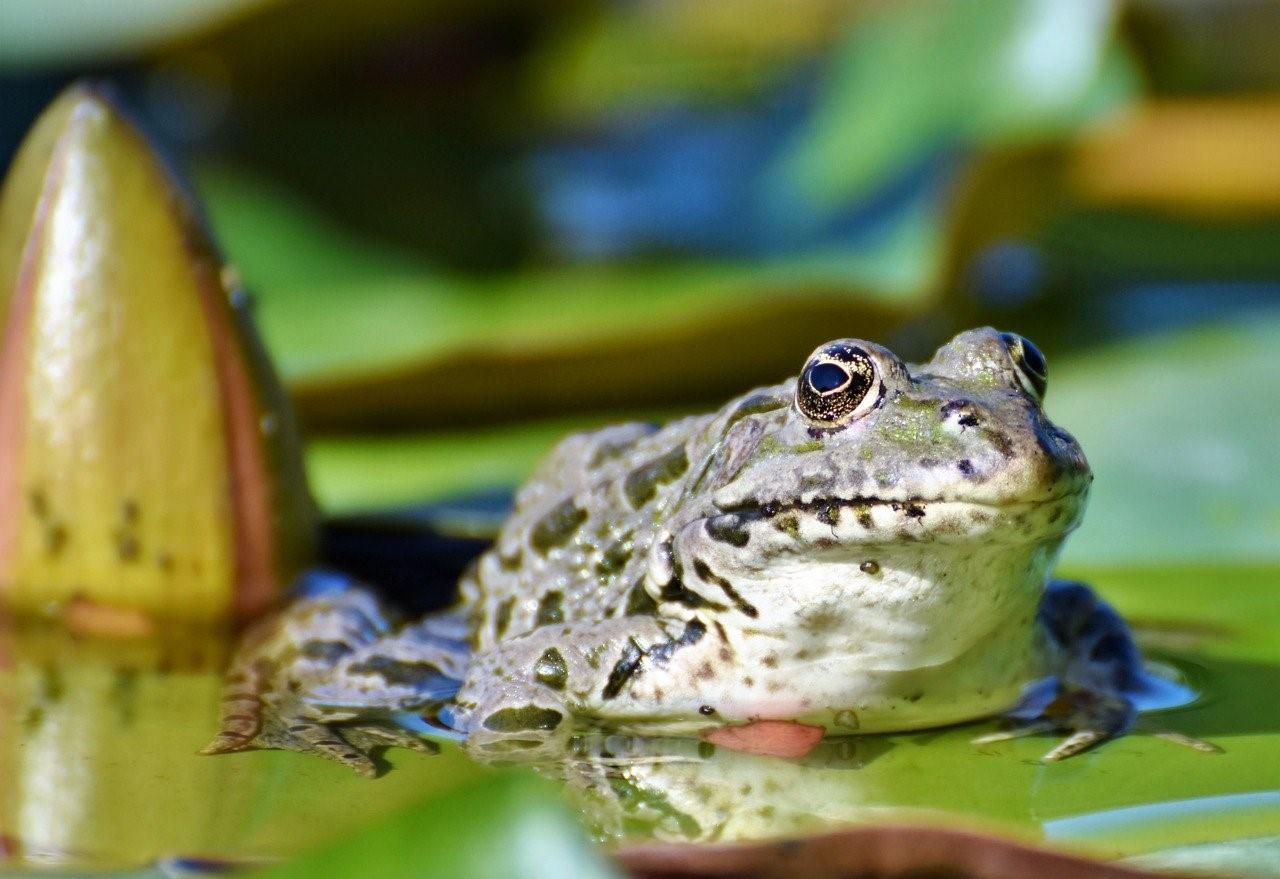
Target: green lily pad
x,y
510,824
358,474
1180,432
98,750
1138,794
364,337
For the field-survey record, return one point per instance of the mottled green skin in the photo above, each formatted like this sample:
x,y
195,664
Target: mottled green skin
x,y
954,491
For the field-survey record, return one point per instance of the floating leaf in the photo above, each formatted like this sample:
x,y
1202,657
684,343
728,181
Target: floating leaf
x,y
406,347
1181,444
511,824
148,459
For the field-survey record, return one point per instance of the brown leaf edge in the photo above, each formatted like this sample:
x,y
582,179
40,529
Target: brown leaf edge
x,y
880,852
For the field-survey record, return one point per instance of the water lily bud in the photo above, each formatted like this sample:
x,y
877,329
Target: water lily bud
x,y
149,462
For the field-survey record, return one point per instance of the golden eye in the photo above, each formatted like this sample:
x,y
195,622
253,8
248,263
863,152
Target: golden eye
x,y
836,385
1033,372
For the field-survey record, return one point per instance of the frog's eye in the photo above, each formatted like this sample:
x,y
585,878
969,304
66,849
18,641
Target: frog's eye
x,y
836,385
1033,372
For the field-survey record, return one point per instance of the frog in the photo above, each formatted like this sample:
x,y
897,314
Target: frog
x,y
864,548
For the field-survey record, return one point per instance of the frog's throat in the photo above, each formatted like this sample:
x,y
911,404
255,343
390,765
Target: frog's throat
x,y
931,635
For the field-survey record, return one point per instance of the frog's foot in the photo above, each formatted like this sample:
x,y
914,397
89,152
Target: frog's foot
x,y
327,674
1098,679
1088,718
286,722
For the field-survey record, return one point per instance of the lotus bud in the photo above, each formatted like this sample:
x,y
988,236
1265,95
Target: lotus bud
x,y
149,462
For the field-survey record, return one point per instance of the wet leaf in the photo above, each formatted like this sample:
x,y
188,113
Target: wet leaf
x,y
148,458
510,824
1181,443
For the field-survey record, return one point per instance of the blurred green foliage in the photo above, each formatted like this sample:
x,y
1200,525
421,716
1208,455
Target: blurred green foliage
x,y
956,76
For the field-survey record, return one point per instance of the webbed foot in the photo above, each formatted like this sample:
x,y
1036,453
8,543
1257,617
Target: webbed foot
x,y
1098,680
290,724
334,644
1088,718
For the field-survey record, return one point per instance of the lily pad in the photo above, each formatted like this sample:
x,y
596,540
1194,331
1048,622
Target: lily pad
x,y
472,350
510,824
98,749
98,754
1181,437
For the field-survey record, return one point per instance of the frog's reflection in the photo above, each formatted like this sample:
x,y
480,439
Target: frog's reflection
x,y
690,790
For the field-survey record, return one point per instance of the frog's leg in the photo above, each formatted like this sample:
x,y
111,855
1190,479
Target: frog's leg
x,y
1096,671
326,675
524,693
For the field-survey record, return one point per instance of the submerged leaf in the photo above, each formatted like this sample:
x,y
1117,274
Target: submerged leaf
x,y
148,459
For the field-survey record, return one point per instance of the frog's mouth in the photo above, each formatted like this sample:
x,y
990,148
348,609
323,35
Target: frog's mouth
x,y
866,519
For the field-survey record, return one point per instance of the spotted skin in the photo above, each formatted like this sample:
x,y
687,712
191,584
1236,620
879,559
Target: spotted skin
x,y
870,562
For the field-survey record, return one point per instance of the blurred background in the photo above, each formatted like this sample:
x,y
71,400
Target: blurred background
x,y
470,227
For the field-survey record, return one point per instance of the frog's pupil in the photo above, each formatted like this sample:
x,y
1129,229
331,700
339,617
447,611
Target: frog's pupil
x,y
827,377
1033,359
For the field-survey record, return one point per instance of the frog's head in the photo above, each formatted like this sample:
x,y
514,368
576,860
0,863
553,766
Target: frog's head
x,y
879,478
876,451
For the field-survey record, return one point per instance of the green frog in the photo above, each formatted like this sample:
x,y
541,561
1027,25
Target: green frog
x,y
863,548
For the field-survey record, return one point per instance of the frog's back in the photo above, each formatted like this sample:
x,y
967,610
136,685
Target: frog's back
x,y
577,543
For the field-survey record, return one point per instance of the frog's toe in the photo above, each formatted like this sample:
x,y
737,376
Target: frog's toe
x,y
1088,719
307,736
1017,731
289,725
369,737
1076,743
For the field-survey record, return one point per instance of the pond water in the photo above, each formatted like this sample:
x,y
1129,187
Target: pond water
x,y
99,770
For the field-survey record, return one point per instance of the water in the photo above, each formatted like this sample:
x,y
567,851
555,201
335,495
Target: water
x,y
98,765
